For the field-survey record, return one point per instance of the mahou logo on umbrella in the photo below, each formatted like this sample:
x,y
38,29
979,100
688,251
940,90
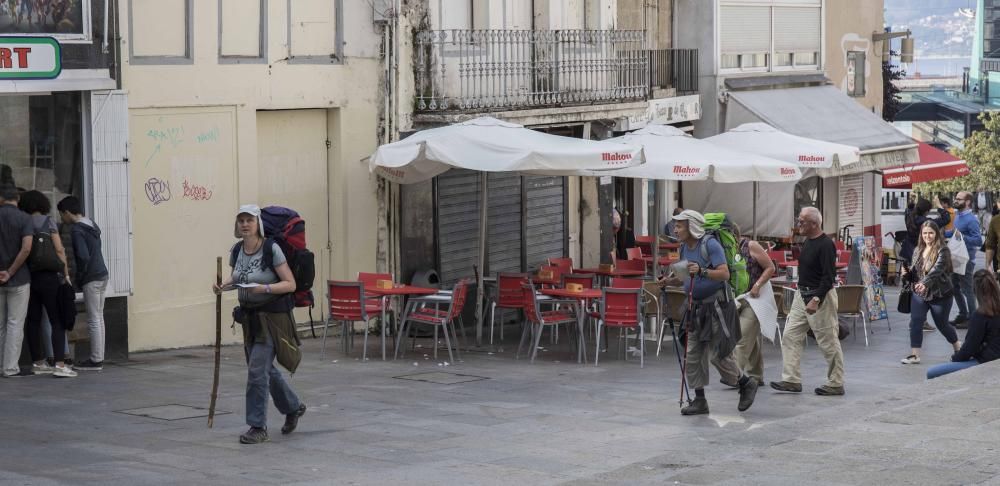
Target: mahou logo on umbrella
x,y
812,160
788,172
616,158
686,170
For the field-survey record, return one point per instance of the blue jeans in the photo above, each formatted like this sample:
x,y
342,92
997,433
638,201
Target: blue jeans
x,y
939,309
945,368
264,377
964,295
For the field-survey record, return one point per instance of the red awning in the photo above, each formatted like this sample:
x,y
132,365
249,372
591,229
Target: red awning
x,y
934,165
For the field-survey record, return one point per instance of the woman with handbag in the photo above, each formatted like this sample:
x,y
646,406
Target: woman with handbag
x,y
930,275
49,270
265,288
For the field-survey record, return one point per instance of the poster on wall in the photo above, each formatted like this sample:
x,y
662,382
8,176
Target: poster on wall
x,y
869,257
63,19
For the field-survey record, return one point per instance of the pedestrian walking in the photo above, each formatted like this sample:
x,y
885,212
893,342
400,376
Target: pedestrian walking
x,y
15,280
992,245
265,314
91,276
915,215
948,206
710,321
968,225
814,306
668,229
748,353
931,276
49,270
982,341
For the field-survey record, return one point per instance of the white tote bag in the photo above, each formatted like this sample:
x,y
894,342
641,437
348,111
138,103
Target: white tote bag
x,y
959,253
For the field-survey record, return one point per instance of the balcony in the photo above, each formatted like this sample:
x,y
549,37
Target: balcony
x,y
462,71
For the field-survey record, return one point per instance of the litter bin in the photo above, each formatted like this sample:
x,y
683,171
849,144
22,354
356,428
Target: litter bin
x,y
426,278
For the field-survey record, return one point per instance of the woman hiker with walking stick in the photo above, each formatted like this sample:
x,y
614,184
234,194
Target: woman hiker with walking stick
x,y
265,287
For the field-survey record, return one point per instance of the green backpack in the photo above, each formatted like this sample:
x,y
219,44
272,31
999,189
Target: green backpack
x,y
719,226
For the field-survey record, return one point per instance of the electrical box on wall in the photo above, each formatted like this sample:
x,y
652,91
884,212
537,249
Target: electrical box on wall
x,y
382,11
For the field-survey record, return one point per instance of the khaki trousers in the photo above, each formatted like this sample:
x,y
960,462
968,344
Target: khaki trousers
x,y
749,357
824,326
699,355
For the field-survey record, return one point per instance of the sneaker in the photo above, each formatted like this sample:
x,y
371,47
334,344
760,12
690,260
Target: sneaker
x,y
911,359
20,374
292,420
827,390
42,369
89,365
63,372
748,391
928,327
961,322
256,435
786,386
698,406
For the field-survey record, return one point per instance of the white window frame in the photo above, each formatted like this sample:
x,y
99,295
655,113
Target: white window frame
x,y
772,54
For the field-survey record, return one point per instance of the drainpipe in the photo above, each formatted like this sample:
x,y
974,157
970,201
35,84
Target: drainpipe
x,y
104,45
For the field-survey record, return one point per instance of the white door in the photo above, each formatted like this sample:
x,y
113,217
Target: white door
x,y
112,202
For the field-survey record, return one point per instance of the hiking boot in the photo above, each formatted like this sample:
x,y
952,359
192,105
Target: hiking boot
x,y
698,406
89,365
786,386
829,391
730,385
960,322
256,435
748,391
911,359
928,327
292,420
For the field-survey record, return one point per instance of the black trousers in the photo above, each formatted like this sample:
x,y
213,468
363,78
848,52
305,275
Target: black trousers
x,y
44,295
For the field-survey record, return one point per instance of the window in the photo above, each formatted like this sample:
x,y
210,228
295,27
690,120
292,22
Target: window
x,y
41,144
242,31
314,31
856,73
160,31
754,37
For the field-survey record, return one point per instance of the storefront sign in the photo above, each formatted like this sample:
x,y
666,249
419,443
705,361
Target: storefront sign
x,y
665,111
30,58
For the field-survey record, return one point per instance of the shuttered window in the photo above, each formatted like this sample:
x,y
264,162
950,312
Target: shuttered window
x,y
526,222
109,122
758,37
744,30
798,34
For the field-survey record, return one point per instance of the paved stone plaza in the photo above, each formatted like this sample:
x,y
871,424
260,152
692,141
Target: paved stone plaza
x,y
492,420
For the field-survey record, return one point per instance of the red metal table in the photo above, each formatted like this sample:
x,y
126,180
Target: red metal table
x,y
616,273
396,291
579,299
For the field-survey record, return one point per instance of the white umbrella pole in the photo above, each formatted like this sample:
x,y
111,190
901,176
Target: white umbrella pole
x,y
755,191
483,228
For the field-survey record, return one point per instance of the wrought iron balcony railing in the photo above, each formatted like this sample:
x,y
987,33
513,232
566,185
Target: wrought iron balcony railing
x,y
674,68
493,70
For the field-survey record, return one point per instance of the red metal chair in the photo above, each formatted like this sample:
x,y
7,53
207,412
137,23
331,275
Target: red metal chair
x,y
584,279
622,308
375,304
634,253
509,297
439,318
839,244
844,257
626,283
537,320
347,305
565,265
645,243
631,265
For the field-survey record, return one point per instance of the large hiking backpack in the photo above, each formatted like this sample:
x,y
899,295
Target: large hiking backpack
x,y
719,226
286,228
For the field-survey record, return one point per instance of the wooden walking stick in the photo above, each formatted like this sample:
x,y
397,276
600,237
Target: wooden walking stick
x,y
218,341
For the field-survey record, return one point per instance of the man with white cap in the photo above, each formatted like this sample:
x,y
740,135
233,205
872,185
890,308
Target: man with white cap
x,y
710,321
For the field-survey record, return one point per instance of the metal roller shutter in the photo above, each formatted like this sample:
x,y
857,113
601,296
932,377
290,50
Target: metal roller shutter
x,y
458,224
546,219
744,29
504,242
797,29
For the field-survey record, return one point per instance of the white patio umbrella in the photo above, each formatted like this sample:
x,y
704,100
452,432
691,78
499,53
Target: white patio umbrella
x,y
490,145
807,153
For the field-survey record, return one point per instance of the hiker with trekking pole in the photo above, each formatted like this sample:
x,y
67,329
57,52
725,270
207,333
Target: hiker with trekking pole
x,y
711,324
265,284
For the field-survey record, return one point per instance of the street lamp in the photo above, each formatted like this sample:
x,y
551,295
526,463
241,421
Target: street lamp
x,y
906,47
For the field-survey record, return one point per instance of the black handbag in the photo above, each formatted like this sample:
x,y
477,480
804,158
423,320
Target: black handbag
x,y
905,298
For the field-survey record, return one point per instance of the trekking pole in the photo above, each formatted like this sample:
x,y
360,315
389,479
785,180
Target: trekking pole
x,y
218,341
687,339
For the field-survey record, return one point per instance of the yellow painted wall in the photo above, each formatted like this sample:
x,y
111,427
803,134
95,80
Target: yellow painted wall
x,y
849,27
204,118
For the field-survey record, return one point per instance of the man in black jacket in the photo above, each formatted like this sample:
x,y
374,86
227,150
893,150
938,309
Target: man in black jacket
x,y
91,276
813,307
